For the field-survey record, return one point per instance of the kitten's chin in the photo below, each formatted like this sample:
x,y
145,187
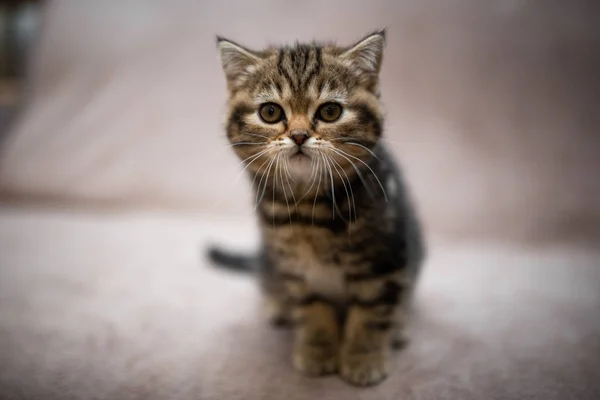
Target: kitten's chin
x,y
300,167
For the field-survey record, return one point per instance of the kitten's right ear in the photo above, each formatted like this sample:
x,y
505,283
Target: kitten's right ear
x,y
237,61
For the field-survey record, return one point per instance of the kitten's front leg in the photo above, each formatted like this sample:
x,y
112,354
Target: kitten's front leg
x,y
316,338
316,332
368,332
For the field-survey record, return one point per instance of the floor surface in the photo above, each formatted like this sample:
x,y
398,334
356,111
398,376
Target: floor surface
x,y
123,306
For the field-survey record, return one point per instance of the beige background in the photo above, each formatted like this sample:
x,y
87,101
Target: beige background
x,y
492,106
116,175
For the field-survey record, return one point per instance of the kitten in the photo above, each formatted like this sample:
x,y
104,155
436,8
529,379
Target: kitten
x,y
341,244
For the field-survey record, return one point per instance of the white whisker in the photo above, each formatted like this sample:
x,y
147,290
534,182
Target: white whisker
x,y
254,158
341,152
353,207
274,184
286,164
287,177
312,178
336,208
283,187
364,147
245,144
257,135
257,188
360,175
268,171
333,203
317,191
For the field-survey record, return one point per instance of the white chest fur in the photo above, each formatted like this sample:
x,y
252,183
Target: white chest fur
x,y
307,252
325,280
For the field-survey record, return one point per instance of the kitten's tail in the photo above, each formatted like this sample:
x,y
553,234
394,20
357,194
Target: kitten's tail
x,y
232,261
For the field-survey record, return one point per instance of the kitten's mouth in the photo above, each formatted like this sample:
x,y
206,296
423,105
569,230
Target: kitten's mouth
x,y
299,155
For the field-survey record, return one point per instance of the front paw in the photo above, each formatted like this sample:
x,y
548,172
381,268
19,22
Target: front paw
x,y
363,369
315,360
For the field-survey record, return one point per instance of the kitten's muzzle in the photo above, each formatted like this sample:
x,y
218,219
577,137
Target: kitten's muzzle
x,y
299,136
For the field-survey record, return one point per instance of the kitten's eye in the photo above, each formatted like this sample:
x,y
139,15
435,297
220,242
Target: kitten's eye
x,y
271,113
329,112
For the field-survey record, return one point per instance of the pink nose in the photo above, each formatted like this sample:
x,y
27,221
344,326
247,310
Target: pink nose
x,y
299,136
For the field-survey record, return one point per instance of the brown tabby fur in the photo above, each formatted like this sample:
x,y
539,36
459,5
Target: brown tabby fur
x,y
341,242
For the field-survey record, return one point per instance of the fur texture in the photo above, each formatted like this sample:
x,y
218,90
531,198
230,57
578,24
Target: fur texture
x,y
341,244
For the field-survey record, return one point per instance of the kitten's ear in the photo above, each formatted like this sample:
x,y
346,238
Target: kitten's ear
x,y
237,61
366,55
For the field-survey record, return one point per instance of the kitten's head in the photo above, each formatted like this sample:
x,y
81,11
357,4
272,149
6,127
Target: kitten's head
x,y
297,111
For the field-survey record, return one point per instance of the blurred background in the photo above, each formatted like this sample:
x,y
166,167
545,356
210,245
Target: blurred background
x,y
492,106
114,170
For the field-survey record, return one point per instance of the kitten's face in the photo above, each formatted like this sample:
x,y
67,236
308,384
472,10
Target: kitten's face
x,y
298,112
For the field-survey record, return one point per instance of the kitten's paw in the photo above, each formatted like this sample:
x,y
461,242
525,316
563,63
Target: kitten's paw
x,y
363,370
315,360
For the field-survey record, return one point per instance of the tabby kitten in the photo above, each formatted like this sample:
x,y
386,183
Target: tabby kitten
x,y
341,246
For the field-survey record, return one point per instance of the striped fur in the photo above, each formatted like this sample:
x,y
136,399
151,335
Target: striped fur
x,y
341,243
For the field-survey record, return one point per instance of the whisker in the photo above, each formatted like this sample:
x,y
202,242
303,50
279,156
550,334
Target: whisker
x,y
287,177
257,135
345,189
353,142
333,203
351,191
257,188
254,158
283,187
274,184
364,147
312,178
390,141
317,191
286,164
366,165
268,171
253,155
260,153
245,144
346,138
360,175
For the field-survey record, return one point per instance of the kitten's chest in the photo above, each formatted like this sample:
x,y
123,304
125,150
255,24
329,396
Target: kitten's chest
x,y
313,257
324,279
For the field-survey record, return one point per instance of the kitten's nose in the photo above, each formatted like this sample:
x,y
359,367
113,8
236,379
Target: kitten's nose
x,y
299,136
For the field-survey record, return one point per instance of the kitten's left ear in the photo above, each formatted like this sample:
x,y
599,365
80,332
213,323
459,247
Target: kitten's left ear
x,y
366,55
237,61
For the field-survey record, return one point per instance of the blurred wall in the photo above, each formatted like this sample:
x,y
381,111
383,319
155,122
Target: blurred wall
x,y
492,106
